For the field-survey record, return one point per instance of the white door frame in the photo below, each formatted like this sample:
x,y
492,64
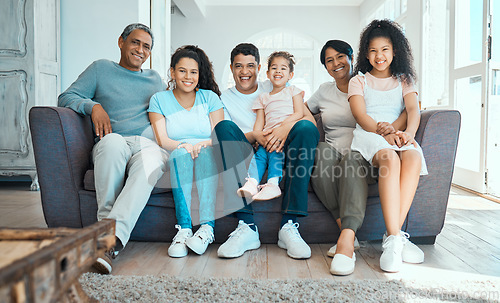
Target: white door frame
x,y
474,180
492,131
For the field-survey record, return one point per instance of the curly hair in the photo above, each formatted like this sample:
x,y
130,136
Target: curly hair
x,y
402,64
206,72
282,54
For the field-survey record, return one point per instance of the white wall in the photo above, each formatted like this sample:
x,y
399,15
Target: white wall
x,y
90,31
224,27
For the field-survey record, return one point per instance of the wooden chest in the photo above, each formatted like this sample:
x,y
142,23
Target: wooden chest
x,y
43,265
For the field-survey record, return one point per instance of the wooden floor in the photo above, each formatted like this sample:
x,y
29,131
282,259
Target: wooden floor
x,y
468,248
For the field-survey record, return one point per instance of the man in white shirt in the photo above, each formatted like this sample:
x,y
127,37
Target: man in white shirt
x,y
236,136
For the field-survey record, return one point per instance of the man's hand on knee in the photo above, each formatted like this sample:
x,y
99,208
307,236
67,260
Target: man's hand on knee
x,y
101,121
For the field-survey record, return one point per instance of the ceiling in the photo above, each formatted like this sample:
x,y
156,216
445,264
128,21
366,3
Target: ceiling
x,y
281,2
197,8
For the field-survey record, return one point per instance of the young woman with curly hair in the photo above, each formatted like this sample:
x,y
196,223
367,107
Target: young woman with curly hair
x,y
183,118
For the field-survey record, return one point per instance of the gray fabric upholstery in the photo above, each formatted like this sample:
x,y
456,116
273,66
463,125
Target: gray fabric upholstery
x,y
63,140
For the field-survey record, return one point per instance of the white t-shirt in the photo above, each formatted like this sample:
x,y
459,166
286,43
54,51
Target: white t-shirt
x,y
238,106
336,115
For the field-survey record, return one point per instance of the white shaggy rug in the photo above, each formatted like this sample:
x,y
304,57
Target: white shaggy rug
x,y
167,288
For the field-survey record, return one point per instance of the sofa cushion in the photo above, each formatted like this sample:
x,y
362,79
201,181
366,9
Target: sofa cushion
x,y
162,186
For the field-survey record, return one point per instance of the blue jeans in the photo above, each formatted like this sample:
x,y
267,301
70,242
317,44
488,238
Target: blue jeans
x,y
204,170
263,160
234,152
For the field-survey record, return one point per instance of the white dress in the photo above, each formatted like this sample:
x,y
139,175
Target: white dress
x,y
382,106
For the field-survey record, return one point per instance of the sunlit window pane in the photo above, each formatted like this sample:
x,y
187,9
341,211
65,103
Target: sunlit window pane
x,y
468,102
435,75
469,32
389,9
404,5
495,83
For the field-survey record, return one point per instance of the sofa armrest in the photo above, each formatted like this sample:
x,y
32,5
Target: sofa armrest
x,y
438,137
62,143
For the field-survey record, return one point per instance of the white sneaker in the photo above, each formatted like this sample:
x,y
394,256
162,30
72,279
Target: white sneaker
x,y
342,265
248,190
333,249
391,258
411,252
267,191
290,239
178,247
201,238
243,238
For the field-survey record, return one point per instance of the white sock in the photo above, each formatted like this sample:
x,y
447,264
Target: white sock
x,y
274,180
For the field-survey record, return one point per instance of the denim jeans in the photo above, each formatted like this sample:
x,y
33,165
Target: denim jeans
x,y
234,152
204,170
263,160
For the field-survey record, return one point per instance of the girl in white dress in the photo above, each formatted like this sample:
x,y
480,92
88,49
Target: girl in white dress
x,y
379,93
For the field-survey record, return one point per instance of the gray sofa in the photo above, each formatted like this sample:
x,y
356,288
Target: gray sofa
x,y
63,140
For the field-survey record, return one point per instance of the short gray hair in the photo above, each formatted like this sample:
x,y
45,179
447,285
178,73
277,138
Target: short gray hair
x,y
134,26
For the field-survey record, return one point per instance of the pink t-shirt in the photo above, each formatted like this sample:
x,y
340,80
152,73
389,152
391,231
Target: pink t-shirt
x,y
276,107
357,85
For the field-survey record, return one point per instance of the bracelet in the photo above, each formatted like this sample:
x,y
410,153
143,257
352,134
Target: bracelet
x,y
180,144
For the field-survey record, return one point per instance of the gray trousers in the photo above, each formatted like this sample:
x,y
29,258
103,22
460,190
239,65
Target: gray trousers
x,y
126,169
341,184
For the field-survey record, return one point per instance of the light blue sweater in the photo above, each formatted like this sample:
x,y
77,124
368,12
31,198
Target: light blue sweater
x,y
124,95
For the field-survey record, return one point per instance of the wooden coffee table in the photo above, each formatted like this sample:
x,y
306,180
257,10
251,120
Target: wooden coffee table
x,y
43,265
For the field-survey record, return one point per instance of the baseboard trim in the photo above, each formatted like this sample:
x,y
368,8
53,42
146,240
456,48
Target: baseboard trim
x,y
485,196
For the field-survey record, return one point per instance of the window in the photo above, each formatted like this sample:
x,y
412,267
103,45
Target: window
x,y
394,10
435,54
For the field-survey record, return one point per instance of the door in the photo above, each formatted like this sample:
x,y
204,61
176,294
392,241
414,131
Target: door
x,y
29,75
469,88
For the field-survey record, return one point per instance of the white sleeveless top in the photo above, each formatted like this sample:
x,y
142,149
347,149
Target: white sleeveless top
x,y
382,106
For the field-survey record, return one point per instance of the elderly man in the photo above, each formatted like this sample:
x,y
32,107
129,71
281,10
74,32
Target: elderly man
x,y
127,161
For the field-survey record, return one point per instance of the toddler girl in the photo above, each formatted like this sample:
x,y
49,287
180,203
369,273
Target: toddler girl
x,y
282,105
